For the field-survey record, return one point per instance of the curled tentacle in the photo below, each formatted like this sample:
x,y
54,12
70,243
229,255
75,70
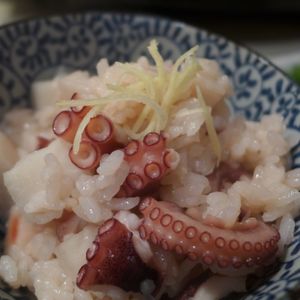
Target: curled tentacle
x,y
241,248
88,156
80,111
112,259
100,130
98,137
65,125
149,160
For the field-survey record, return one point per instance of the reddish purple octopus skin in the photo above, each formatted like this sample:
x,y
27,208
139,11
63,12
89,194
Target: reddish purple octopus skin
x,y
98,137
112,260
240,249
79,111
148,160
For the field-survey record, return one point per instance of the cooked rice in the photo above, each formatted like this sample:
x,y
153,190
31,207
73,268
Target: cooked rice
x,y
44,184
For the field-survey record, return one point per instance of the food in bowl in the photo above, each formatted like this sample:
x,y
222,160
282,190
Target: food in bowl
x,y
137,183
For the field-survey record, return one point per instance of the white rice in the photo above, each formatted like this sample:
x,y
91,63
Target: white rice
x,y
46,263
286,230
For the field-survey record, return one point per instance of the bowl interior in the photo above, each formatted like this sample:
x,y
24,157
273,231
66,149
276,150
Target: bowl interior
x,y
39,48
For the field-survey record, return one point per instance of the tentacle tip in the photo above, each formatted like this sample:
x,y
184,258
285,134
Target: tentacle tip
x,y
61,122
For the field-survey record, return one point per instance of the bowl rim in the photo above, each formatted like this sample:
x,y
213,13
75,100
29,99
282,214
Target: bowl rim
x,y
150,16
174,21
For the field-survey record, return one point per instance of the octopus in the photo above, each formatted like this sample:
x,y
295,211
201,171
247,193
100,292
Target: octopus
x,y
112,259
238,250
80,111
98,137
149,161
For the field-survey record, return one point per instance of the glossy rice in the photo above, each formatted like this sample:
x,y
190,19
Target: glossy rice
x,y
43,184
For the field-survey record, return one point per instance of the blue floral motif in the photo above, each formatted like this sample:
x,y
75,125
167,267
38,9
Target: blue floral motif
x,y
286,99
25,48
76,39
119,37
4,92
172,37
31,48
287,105
212,46
12,90
130,37
249,77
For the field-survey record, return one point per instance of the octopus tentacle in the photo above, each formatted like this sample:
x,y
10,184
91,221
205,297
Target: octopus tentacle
x,y
222,250
149,161
100,130
80,111
65,125
88,156
112,259
98,137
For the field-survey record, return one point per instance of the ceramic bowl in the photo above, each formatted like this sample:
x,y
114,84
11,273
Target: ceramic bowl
x,y
35,49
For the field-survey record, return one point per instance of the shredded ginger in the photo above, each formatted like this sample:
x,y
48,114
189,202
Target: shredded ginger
x,y
158,91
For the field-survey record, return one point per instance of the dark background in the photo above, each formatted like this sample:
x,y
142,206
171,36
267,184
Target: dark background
x,y
242,20
270,26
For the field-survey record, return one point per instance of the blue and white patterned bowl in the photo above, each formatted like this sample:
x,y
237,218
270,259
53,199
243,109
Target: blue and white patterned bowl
x,y
36,48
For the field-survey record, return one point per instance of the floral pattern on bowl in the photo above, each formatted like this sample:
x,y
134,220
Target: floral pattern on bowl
x,y
36,48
